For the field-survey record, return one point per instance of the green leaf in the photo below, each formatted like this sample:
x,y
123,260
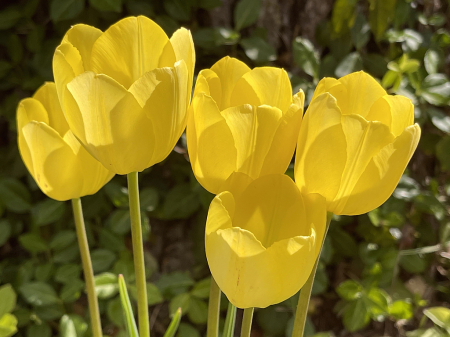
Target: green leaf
x,y
33,243
413,263
230,321
349,290
41,330
102,259
63,239
8,299
181,202
198,311
5,231
209,4
180,301
344,13
106,285
149,199
154,296
201,288
432,61
8,325
443,153
401,310
377,303
178,9
258,50
43,272
119,221
68,327
246,13
65,9
9,17
436,89
38,293
187,330
47,211
107,5
130,323
351,63
14,195
440,316
173,326
117,194
439,119
306,56
360,32
71,292
356,315
380,15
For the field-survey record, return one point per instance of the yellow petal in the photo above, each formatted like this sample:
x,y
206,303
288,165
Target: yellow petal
x,y
46,94
266,85
163,94
397,112
82,37
210,144
253,129
364,141
110,123
52,161
229,70
383,173
324,85
357,93
321,149
183,46
130,48
316,214
30,109
250,274
284,141
208,83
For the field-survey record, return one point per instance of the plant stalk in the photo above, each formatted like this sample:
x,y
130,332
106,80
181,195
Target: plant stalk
x,y
230,321
246,327
305,292
138,254
87,268
213,310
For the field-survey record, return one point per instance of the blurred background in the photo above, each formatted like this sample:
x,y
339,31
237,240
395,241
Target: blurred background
x,y
386,273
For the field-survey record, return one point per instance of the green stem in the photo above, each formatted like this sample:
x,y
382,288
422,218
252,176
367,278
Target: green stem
x,y
230,321
246,327
87,268
305,292
138,254
213,310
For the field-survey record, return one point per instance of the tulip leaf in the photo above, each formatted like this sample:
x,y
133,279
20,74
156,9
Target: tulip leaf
x,y
107,5
440,316
65,9
230,321
246,13
173,326
130,322
380,14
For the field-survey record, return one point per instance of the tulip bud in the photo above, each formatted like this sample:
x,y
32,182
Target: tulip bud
x,y
354,143
262,242
241,120
61,167
125,91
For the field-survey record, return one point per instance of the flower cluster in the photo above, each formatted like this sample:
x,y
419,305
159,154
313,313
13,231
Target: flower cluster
x,y
122,98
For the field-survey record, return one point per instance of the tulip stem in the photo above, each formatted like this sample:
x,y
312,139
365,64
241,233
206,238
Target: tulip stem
x,y
246,327
305,292
213,310
230,321
87,268
138,254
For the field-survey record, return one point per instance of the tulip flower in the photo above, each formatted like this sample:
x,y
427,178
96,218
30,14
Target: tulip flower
x,y
241,120
354,143
61,167
262,243
125,91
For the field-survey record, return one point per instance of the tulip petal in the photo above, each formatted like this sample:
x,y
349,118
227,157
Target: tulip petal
x,y
229,70
130,48
208,83
50,158
110,123
324,85
253,129
163,94
183,46
321,148
284,141
356,94
382,174
263,86
46,94
210,144
397,112
30,109
316,214
364,140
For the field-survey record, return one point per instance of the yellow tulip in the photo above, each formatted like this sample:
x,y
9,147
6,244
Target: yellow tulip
x,y
354,143
125,91
241,120
62,168
262,243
